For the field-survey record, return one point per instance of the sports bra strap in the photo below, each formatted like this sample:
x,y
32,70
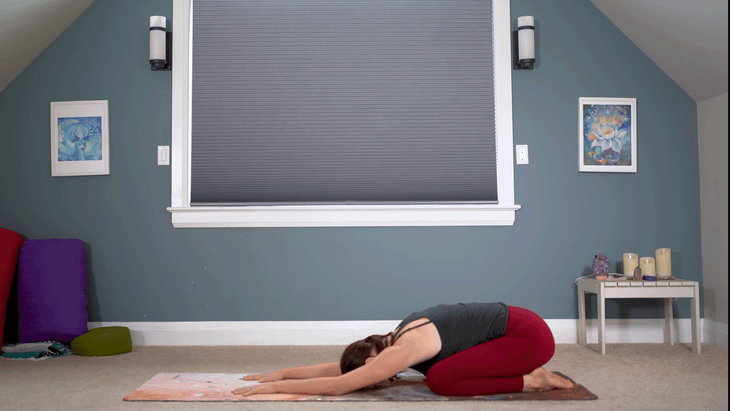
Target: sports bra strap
x,y
398,335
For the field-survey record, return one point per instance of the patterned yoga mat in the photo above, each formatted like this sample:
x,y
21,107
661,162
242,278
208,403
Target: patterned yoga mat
x,y
410,387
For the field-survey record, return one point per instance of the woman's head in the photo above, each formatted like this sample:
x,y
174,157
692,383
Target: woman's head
x,y
356,354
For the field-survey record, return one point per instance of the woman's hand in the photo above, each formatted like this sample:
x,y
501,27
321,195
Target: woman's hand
x,y
267,376
255,390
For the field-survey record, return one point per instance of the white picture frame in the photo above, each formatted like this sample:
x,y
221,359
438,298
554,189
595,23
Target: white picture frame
x,y
79,138
607,135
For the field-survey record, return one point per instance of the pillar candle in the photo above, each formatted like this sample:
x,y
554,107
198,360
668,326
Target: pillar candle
x,y
648,266
631,261
664,262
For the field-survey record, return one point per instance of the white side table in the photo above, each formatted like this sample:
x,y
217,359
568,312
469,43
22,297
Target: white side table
x,y
639,289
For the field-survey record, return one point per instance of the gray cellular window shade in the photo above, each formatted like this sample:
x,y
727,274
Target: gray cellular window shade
x,y
342,101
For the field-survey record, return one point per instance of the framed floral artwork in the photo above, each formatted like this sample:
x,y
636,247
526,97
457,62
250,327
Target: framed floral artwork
x,y
79,138
607,135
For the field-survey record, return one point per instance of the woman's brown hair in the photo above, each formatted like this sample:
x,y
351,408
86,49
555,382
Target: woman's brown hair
x,y
356,353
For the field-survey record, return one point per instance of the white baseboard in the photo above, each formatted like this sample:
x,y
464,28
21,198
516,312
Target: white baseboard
x,y
715,333
345,332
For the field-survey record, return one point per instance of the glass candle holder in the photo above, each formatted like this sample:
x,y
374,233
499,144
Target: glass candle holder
x,y
664,262
648,266
631,261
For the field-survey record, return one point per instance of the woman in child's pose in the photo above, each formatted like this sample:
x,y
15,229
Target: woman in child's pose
x,y
463,349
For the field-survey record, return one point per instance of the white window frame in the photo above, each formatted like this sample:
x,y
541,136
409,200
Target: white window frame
x,y
186,216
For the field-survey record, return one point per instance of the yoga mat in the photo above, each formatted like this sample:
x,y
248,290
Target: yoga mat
x,y
410,387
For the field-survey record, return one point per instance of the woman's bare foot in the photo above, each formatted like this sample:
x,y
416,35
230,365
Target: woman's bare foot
x,y
542,380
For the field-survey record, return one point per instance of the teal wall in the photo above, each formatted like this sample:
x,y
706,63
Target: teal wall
x,y
141,269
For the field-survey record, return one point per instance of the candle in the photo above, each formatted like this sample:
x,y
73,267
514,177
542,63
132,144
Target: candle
x,y
664,262
648,267
631,261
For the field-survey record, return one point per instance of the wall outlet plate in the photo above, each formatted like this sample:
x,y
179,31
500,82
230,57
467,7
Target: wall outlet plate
x,y
523,156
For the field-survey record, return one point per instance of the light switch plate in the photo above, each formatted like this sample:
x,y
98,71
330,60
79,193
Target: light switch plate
x,y
163,155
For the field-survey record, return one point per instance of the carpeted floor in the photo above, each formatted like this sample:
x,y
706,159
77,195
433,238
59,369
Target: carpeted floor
x,y
630,376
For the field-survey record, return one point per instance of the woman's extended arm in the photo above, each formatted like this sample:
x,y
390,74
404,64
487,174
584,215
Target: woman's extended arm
x,y
330,369
387,364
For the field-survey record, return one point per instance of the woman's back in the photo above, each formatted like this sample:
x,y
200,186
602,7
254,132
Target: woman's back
x,y
458,327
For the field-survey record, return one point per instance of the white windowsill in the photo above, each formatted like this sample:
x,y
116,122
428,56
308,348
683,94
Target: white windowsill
x,y
344,216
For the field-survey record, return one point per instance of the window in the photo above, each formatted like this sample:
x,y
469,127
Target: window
x,y
201,199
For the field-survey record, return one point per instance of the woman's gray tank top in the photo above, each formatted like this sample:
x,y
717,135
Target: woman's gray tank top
x,y
460,326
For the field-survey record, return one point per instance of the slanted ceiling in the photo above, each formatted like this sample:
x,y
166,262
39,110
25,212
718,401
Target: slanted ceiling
x,y
27,27
686,39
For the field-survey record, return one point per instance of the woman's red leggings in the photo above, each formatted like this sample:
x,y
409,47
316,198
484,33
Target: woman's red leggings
x,y
496,366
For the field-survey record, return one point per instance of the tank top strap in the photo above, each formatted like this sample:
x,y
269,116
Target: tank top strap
x,y
399,334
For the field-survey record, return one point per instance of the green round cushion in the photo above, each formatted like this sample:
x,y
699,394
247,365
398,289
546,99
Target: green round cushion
x,y
103,341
